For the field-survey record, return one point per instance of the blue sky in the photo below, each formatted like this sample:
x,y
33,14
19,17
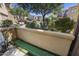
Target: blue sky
x,y
67,5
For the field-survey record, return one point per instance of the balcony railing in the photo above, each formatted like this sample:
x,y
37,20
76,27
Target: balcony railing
x,y
56,42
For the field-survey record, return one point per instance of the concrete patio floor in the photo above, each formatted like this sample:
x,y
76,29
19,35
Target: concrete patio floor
x,y
13,51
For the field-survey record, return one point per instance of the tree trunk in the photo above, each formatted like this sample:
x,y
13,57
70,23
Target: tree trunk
x,y
43,23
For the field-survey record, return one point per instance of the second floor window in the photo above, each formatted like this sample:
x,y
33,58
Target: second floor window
x,y
73,11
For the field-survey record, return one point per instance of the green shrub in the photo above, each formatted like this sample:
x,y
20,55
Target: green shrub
x,y
6,23
51,26
28,24
31,25
64,24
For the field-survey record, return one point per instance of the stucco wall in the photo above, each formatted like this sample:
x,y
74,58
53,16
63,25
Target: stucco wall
x,y
3,9
9,33
73,12
55,42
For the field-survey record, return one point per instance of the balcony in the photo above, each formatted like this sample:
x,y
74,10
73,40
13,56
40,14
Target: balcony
x,y
53,42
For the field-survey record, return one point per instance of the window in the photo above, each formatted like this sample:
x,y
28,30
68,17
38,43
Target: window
x,y
73,11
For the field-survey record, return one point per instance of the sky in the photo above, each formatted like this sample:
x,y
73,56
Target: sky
x,y
67,5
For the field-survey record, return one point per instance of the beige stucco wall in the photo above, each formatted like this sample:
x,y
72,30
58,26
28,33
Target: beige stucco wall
x,y
74,14
3,9
9,33
52,41
11,17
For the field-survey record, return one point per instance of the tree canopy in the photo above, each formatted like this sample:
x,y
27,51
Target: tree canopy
x,y
64,24
19,12
42,8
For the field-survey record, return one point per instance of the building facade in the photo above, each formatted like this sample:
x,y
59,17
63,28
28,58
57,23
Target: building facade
x,y
4,13
38,19
72,12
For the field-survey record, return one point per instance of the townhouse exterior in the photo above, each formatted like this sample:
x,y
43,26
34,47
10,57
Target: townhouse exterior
x,y
72,12
37,19
4,13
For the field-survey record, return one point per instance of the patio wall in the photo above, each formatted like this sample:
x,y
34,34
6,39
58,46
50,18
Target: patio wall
x,y
55,42
9,33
